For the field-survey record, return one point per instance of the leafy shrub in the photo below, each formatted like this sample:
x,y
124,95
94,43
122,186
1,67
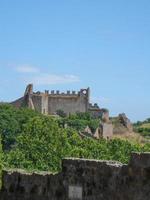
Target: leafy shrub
x,y
12,121
1,163
61,113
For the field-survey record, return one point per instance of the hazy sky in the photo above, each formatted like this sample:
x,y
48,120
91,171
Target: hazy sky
x,y
73,44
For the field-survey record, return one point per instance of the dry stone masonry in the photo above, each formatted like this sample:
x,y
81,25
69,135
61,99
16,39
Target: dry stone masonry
x,y
83,179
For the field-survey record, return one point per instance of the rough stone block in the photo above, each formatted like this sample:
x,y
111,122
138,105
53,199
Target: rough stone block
x,y
141,160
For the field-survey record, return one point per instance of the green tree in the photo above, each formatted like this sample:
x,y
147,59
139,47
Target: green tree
x,y
12,121
41,146
61,113
1,161
80,121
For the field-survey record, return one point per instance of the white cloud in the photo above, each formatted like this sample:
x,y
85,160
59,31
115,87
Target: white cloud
x,y
27,69
37,77
51,79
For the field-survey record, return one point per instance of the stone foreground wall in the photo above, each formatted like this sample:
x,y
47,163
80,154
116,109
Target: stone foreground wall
x,y
82,179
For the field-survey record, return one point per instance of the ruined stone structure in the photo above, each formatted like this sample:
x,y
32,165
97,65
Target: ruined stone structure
x,y
125,121
105,115
105,130
122,125
83,179
50,103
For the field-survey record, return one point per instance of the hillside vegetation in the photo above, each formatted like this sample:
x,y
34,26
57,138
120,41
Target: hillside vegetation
x,y
33,141
1,155
143,128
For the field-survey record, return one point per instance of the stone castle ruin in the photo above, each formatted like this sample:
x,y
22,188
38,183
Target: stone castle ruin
x,y
82,179
49,103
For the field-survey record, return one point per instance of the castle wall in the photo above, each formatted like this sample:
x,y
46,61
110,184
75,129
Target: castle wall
x,y
69,104
83,179
18,103
49,103
37,102
44,104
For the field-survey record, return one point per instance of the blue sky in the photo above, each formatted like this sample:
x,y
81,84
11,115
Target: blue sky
x,y
73,44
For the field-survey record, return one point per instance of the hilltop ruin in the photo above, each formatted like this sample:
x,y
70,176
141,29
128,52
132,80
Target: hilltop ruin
x,y
49,103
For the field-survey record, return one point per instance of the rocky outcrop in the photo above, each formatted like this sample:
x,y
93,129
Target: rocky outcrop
x,y
122,125
125,122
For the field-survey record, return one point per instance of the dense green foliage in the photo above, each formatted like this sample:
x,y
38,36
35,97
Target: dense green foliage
x,y
1,153
80,121
36,142
143,128
12,121
1,164
61,113
144,131
41,145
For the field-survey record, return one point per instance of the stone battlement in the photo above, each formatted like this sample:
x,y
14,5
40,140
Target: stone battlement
x,y
57,92
95,105
49,103
83,179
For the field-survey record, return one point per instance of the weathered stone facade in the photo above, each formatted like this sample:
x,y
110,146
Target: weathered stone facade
x,y
105,130
50,103
82,179
122,125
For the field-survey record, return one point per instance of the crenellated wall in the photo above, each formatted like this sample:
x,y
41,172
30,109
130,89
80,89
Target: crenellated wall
x,y
50,102
83,179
